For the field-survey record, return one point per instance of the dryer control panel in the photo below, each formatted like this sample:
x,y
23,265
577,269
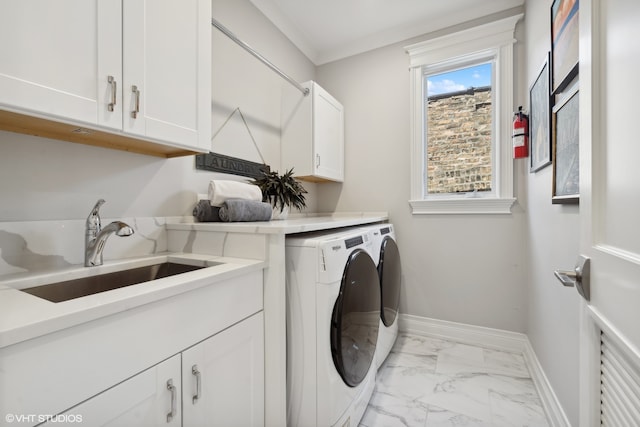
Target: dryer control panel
x,y
333,255
354,241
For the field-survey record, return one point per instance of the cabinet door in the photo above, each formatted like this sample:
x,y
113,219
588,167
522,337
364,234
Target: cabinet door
x,y
57,57
143,400
312,138
167,70
328,135
223,378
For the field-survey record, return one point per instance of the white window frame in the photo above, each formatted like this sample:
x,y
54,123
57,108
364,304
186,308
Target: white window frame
x,y
496,39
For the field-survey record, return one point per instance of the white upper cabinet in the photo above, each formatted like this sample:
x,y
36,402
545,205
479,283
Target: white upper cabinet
x,y
56,57
167,70
313,134
136,69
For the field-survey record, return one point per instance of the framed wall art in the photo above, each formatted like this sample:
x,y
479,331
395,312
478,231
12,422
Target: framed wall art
x,y
564,43
540,119
566,153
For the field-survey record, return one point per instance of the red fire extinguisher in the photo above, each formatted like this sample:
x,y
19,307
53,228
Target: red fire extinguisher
x,y
520,135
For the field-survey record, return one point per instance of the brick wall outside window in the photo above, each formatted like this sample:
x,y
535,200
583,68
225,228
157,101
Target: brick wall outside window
x,y
459,141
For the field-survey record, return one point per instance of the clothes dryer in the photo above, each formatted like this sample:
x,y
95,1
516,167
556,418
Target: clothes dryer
x,y
333,312
387,259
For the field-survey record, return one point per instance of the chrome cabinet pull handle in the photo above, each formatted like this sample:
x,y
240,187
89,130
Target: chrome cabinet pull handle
x,y
114,90
317,160
173,391
198,375
136,93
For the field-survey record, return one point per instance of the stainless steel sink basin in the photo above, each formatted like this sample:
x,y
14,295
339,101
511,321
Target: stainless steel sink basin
x,y
76,288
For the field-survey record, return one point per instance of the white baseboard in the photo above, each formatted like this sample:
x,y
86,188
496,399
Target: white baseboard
x,y
550,402
496,339
463,333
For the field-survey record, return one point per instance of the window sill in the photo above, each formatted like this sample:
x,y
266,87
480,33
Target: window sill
x,y
462,206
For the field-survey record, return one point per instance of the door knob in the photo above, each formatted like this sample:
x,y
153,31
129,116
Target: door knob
x,y
580,277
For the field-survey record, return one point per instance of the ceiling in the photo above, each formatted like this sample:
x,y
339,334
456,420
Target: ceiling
x,y
327,30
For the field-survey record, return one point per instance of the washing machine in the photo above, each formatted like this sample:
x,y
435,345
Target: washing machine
x,y
333,312
386,256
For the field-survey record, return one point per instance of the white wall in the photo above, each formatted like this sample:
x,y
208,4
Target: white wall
x,y
43,179
553,236
241,81
494,271
462,268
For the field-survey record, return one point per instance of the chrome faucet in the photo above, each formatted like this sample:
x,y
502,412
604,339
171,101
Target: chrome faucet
x,y
95,236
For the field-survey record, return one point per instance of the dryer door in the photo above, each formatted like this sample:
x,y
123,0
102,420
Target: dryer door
x,y
355,318
389,270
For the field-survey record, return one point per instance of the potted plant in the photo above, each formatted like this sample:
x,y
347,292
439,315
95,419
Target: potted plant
x,y
282,192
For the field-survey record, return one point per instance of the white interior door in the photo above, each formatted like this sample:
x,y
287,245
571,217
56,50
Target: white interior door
x,y
610,200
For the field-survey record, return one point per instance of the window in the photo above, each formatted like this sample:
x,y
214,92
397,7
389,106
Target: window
x,y
459,131
462,100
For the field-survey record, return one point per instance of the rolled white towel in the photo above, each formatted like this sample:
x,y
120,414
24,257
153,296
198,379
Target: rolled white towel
x,y
221,190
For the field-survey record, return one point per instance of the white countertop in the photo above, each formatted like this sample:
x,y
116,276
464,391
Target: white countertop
x,y
24,316
300,223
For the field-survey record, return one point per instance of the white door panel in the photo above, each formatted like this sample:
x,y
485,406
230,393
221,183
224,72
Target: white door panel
x,y
609,186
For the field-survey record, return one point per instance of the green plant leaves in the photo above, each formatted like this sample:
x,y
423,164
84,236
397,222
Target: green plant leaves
x,y
283,189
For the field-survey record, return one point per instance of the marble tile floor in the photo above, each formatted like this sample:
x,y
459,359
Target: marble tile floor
x,y
429,382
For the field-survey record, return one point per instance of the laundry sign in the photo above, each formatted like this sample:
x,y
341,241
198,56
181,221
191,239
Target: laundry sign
x,y
214,162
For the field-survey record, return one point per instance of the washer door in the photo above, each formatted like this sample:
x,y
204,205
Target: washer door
x,y
355,320
389,271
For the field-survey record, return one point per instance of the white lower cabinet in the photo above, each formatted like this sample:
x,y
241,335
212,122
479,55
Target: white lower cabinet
x,y
151,398
223,378
135,368
218,382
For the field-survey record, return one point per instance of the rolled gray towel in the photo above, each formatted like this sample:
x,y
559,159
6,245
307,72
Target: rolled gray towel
x,y
241,210
204,212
